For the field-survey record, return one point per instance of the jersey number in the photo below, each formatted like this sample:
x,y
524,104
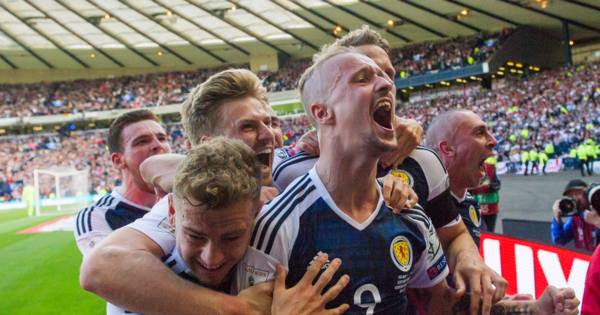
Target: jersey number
x,y
372,289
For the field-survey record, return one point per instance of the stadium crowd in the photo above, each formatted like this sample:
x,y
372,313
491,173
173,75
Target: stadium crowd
x,y
454,53
559,106
158,89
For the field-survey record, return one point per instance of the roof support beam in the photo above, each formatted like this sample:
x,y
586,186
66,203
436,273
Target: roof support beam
x,y
332,22
373,23
495,16
584,4
8,62
172,30
76,35
321,28
426,9
302,40
239,28
152,62
242,50
403,17
174,53
554,16
29,50
55,43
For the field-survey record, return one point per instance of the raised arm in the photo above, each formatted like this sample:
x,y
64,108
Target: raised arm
x,y
159,171
126,270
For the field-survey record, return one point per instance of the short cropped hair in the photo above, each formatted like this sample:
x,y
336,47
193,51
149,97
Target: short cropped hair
x,y
124,120
364,36
443,127
218,173
200,112
326,53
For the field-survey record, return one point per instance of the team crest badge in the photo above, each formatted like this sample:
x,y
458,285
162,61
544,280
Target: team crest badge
x,y
404,175
474,215
282,154
401,252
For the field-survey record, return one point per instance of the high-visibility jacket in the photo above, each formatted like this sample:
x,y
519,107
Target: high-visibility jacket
x,y
573,153
549,149
543,158
591,150
582,152
533,155
524,156
492,160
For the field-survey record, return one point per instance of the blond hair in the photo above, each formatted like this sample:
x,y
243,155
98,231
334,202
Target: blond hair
x,y
364,36
309,92
200,112
218,173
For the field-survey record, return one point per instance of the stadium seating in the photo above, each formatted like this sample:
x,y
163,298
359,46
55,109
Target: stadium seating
x,y
561,105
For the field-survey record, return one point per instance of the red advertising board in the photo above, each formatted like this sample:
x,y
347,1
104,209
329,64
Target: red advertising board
x,y
529,267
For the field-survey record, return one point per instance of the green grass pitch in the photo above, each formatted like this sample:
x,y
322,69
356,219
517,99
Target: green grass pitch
x,y
40,272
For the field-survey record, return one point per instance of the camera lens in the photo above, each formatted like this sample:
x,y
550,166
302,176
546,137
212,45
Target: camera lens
x,y
567,206
594,197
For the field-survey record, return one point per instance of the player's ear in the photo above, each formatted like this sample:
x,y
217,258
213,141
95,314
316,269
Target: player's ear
x,y
188,144
446,149
321,113
204,138
117,160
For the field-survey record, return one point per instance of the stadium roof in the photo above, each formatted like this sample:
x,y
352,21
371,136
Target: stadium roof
x,y
75,34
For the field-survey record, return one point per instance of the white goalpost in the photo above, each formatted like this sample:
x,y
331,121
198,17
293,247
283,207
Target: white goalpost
x,y
62,188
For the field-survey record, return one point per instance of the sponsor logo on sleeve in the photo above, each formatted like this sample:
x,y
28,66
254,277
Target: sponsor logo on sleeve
x,y
437,268
255,275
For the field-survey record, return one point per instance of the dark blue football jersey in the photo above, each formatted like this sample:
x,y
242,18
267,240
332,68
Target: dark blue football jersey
x,y
423,170
383,255
469,211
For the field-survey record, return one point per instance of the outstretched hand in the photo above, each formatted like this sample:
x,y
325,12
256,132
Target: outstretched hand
x,y
307,296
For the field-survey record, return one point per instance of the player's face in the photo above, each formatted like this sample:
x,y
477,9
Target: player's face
x,y
277,132
213,241
380,57
248,120
139,141
473,143
362,98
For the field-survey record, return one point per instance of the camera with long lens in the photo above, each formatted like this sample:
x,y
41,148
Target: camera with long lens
x,y
593,196
568,206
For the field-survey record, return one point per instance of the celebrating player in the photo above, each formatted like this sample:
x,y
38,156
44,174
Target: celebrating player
x,y
338,207
425,173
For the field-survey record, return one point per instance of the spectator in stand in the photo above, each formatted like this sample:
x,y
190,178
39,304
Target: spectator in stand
x,y
22,100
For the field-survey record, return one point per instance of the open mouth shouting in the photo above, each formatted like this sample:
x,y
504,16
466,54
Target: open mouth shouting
x,y
382,115
265,158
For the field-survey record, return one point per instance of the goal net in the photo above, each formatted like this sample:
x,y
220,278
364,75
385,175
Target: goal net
x,y
60,189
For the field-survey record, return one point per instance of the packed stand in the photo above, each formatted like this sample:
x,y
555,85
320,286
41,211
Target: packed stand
x,y
455,53
39,99
560,106
20,156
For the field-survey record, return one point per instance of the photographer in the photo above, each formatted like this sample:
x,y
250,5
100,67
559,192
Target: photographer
x,y
569,212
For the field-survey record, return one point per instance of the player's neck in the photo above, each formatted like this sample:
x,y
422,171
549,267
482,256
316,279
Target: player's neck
x,y
457,189
130,191
351,182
